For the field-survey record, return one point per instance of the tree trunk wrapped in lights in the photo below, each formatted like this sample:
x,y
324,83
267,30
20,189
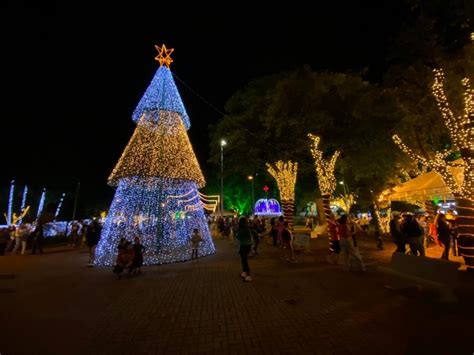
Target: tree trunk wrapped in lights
x,y
461,131
325,173
285,175
157,179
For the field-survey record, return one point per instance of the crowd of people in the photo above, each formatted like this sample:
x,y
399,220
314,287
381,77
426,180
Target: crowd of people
x,y
418,233
411,235
17,239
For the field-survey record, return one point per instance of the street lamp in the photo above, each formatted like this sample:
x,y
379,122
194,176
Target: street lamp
x,y
344,186
250,177
223,143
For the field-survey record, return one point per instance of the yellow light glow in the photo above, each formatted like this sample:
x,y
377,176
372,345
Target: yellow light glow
x,y
161,149
164,55
324,168
285,175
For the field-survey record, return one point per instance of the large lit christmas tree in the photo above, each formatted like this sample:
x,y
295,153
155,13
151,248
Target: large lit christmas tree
x,y
157,179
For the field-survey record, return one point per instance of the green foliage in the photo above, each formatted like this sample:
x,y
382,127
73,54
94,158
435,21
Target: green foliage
x,y
270,119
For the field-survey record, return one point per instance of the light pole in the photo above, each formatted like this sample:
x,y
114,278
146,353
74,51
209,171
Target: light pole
x,y
223,143
250,177
78,186
344,187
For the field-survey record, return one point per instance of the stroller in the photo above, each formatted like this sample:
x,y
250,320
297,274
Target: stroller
x,y
125,257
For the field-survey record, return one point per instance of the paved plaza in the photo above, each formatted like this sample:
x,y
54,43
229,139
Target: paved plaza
x,y
54,304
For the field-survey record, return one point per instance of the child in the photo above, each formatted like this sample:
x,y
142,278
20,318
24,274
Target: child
x,y
124,258
138,259
195,240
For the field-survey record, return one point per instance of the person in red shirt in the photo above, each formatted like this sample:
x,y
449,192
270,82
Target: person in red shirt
x,y
348,248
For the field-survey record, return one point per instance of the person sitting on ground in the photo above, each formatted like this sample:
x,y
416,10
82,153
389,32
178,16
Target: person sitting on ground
x,y
125,257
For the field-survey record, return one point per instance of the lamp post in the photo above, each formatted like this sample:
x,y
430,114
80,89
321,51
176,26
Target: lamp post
x,y
223,143
250,177
78,186
344,187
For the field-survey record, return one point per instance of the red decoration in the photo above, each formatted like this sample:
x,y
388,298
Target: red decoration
x,y
265,188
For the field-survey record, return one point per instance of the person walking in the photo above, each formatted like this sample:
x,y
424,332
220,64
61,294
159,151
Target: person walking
x,y
347,244
244,236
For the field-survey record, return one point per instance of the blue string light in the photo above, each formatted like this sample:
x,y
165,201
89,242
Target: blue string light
x,y
41,203
58,209
23,202
161,94
10,202
141,208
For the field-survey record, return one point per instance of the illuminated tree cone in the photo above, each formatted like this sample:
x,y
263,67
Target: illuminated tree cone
x,y
157,179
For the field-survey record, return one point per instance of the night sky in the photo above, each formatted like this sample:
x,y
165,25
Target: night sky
x,y
71,77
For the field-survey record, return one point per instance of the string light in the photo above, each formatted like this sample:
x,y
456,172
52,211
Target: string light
x,y
209,202
41,203
59,205
10,202
162,94
285,175
159,149
326,178
461,131
23,203
157,177
138,210
324,168
23,199
436,163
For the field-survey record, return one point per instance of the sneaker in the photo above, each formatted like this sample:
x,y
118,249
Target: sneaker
x,y
248,278
243,275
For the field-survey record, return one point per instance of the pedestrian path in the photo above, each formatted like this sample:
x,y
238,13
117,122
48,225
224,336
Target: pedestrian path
x,y
60,306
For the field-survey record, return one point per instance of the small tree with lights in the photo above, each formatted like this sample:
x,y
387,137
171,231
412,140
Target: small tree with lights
x,y
325,172
461,131
157,179
285,175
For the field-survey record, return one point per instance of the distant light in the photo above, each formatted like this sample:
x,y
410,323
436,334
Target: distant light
x,y
341,182
223,143
250,177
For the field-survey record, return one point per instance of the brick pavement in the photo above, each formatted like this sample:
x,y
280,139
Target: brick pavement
x,y
53,304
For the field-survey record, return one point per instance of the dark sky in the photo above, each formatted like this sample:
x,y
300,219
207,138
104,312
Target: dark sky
x,y
72,76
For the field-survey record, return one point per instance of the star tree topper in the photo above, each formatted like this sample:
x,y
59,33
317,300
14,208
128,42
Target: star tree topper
x,y
164,55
